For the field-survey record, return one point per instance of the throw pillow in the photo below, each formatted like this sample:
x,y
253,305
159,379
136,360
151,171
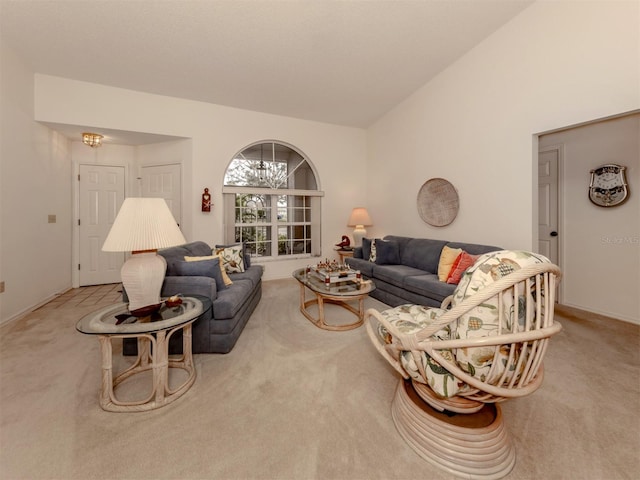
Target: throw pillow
x,y
231,258
202,268
366,248
447,257
246,258
462,263
387,252
374,252
223,272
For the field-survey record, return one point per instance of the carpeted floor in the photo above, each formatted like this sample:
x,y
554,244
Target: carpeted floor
x,y
292,401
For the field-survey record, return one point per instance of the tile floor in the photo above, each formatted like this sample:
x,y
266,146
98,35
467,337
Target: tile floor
x,y
96,295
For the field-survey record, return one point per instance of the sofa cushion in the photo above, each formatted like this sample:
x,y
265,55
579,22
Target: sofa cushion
x,y
362,264
394,274
473,248
462,263
230,300
428,285
447,259
387,252
225,278
484,320
177,254
366,248
422,253
231,257
202,268
253,273
246,258
408,319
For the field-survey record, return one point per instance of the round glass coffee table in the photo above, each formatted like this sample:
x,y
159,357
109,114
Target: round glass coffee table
x,y
152,333
339,293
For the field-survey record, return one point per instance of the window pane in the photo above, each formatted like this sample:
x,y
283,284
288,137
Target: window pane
x,y
271,224
271,165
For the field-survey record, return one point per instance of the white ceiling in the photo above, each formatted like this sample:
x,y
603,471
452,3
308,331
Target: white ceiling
x,y
343,62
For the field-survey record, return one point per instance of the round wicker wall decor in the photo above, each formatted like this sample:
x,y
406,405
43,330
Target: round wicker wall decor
x,y
438,202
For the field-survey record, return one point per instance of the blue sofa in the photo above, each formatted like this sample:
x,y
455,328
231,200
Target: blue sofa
x,y
409,274
226,310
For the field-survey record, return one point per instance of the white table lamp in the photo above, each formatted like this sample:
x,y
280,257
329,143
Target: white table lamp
x,y
142,226
359,219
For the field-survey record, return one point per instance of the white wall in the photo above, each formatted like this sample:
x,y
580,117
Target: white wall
x,y
35,255
600,245
217,133
555,64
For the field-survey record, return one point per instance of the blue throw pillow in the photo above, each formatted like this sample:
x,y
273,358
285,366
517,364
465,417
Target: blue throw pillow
x,y
201,268
387,252
366,248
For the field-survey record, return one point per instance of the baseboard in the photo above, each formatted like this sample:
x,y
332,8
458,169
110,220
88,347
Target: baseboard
x,y
581,312
28,310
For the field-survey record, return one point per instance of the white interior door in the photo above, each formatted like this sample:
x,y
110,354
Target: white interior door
x,y
548,160
101,195
164,181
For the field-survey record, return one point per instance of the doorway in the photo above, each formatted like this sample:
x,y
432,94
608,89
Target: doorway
x,y
101,193
549,159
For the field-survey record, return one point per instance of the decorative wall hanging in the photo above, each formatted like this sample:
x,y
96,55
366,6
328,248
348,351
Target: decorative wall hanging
x,y
206,201
608,185
438,202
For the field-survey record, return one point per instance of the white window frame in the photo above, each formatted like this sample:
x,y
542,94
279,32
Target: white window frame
x,y
229,197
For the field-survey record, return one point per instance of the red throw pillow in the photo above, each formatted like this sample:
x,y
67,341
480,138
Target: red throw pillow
x,y
461,264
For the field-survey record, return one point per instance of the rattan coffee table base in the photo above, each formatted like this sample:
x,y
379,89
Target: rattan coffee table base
x,y
470,446
322,298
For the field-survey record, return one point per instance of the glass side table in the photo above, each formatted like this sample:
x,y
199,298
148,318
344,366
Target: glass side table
x,y
339,293
152,334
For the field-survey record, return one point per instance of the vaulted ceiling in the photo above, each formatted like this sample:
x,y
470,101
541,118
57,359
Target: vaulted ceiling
x,y
341,62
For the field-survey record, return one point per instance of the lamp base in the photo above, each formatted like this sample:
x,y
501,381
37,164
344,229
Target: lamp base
x,y
142,277
358,234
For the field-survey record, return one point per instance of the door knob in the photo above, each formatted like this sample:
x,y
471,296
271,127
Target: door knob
x,y
554,234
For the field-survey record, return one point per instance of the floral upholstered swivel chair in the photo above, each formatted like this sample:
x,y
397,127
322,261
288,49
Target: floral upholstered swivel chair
x,y
484,345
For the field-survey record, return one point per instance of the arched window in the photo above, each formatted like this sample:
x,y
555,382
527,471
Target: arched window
x,y
272,202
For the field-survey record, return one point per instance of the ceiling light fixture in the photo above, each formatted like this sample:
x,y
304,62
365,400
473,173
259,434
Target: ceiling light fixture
x,y
261,168
94,140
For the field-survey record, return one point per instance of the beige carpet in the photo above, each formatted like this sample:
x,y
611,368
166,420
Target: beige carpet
x,y
292,401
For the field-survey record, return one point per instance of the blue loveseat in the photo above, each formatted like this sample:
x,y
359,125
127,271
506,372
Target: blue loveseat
x,y
226,308
407,269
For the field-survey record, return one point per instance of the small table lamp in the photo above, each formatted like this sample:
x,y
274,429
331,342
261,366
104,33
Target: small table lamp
x,y
142,226
359,219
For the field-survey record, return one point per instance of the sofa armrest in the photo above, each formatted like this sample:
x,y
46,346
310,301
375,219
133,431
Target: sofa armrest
x,y
190,285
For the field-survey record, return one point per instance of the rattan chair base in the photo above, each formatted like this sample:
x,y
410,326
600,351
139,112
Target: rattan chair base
x,y
467,445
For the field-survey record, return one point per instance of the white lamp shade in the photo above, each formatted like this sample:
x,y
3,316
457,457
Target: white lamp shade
x,y
359,219
359,216
143,224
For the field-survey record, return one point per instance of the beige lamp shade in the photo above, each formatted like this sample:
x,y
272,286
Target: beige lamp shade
x,y
359,216
359,219
142,226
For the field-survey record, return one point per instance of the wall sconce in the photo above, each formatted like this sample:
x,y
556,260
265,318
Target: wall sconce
x,y
94,140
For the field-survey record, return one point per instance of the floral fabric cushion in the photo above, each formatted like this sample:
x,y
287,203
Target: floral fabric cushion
x,y
373,255
231,257
410,319
482,320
